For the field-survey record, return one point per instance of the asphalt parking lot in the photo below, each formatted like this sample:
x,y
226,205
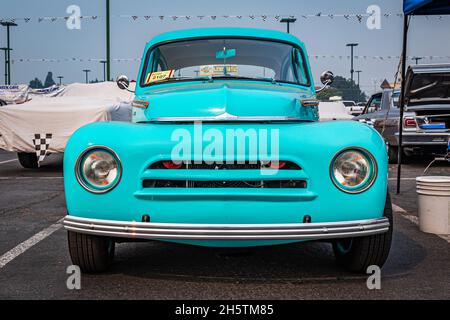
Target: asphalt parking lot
x,y
32,202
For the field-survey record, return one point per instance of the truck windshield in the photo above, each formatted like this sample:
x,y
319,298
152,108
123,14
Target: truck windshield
x,y
234,58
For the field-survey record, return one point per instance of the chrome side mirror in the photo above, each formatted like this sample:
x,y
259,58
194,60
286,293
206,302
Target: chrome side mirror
x,y
122,82
327,78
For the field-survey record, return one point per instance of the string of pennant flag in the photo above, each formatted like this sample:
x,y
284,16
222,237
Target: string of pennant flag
x,y
375,57
262,17
73,60
365,57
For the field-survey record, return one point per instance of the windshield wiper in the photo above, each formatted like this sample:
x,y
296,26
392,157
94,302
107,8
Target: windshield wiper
x,y
225,76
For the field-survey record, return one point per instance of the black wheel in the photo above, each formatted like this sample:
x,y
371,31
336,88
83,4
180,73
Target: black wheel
x,y
92,254
28,160
356,254
393,154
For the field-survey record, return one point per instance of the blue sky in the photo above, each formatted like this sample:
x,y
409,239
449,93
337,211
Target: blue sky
x,y
323,36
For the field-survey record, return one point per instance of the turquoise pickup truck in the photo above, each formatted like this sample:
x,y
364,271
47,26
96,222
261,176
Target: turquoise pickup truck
x,y
225,149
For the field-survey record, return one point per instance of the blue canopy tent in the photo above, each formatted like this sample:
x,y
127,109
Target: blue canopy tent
x,y
410,8
426,7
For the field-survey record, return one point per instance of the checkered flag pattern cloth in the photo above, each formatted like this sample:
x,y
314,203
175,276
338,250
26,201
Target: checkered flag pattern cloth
x,y
41,143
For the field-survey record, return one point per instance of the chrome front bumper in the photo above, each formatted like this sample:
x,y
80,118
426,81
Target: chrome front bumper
x,y
424,138
183,231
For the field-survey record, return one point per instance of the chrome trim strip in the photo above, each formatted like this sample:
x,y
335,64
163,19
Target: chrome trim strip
x,y
228,117
432,69
424,143
309,102
184,231
424,134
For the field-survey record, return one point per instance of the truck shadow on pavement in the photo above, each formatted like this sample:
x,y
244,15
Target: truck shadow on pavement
x,y
293,263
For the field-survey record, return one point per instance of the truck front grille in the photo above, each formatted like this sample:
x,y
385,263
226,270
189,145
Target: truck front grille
x,y
276,184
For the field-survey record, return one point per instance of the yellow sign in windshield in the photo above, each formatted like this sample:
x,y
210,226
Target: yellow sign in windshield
x,y
159,75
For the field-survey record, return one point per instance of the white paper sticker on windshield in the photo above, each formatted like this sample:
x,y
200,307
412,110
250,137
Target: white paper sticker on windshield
x,y
218,70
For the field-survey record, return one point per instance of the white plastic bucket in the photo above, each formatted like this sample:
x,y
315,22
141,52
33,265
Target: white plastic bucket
x,y
434,204
428,184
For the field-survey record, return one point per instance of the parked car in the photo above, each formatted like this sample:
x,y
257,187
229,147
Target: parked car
x,y
333,111
362,104
206,90
426,119
381,112
353,108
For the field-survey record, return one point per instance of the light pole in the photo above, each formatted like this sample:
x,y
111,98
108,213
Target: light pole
x,y
86,71
6,63
417,59
108,43
288,21
351,45
104,62
358,72
8,24
60,77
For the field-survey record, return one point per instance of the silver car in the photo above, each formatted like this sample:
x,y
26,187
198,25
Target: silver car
x,y
426,120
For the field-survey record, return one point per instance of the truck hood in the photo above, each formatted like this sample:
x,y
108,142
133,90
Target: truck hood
x,y
226,101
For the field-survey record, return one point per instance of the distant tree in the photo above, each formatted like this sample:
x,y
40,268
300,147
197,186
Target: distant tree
x,y
325,94
36,84
350,90
49,80
94,81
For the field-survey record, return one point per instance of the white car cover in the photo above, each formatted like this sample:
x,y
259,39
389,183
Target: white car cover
x,y
335,110
56,118
14,93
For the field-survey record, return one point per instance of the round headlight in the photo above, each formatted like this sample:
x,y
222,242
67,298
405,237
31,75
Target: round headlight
x,y
98,169
353,170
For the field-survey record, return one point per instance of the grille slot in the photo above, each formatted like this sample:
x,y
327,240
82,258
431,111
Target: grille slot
x,y
273,184
247,165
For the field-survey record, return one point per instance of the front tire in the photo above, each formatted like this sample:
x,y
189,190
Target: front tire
x,y
93,254
393,154
356,254
28,160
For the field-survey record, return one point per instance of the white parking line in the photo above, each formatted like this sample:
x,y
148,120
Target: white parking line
x,y
403,179
27,244
414,219
7,161
398,209
20,178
